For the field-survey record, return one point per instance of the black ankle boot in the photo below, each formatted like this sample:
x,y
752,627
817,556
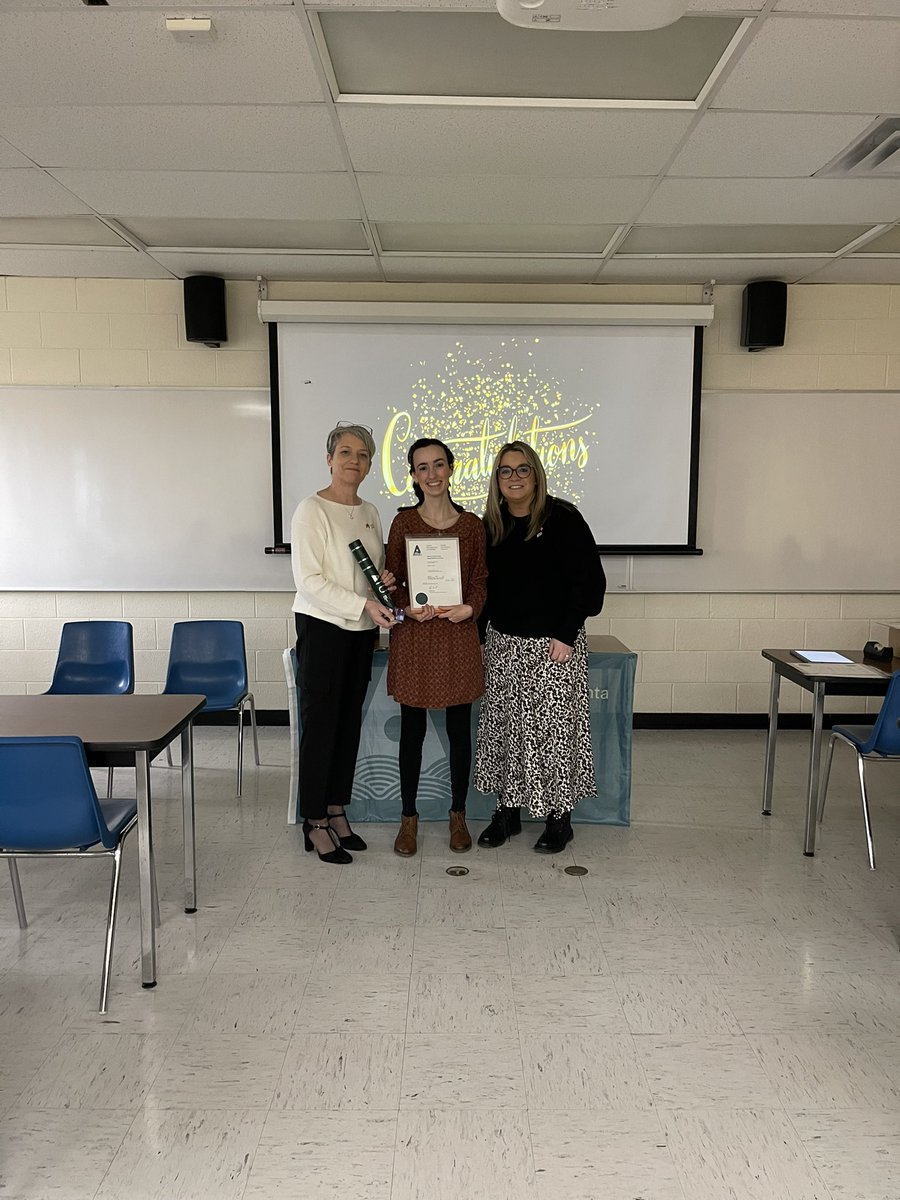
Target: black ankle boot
x,y
505,823
556,836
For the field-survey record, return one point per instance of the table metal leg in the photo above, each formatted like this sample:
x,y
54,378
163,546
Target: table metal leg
x,y
188,833
145,868
771,736
815,756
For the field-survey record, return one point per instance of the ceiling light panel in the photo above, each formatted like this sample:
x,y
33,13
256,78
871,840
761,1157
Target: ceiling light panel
x,y
740,239
246,234
489,270
773,201
888,243
724,270
480,54
496,239
347,267
88,264
58,231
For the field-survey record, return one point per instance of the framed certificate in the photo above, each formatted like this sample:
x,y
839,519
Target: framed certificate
x,y
433,572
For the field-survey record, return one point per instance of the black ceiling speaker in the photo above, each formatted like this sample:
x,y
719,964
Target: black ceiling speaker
x,y
764,314
204,310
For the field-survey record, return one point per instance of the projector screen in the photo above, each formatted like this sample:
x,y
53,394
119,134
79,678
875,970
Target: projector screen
x,y
613,413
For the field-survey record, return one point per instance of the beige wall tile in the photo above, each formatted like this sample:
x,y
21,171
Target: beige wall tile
x,y
80,606
848,704
147,689
776,370
269,666
768,635
752,697
227,606
40,295
704,697
269,696
20,329
164,296
741,604
27,604
714,633
819,337
45,366
807,604
274,604
156,604
652,697
12,634
676,604
110,295
640,634
874,605
596,625
840,372
877,337
75,331
242,368
13,689
5,366
686,666
894,310
115,368
723,336
182,368
736,666
143,331
2,293
726,372
144,633
893,372
43,633
623,604
838,635
265,634
848,302
245,330
150,665
24,666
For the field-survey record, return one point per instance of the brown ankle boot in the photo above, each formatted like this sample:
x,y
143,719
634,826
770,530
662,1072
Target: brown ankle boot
x,y
405,842
460,839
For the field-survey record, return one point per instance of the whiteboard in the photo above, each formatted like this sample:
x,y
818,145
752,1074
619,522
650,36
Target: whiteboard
x,y
799,491
137,489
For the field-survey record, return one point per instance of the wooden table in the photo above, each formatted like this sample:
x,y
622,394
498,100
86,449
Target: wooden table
x,y
124,731
821,679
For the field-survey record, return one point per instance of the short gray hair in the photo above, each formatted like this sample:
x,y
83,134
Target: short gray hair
x,y
358,431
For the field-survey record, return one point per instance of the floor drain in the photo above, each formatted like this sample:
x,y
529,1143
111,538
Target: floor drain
x,y
576,870
457,870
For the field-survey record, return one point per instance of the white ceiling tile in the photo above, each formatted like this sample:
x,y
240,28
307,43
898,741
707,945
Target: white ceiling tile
x,y
859,269
490,270
32,193
437,140
510,200
58,231
98,56
88,264
839,8
10,156
176,137
494,239
797,63
214,194
775,201
350,267
765,144
248,233
723,270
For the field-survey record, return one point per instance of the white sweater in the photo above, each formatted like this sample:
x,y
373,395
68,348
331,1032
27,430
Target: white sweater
x,y
330,583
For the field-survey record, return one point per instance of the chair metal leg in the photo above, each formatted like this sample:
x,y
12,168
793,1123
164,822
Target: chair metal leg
x,y
240,748
252,703
109,783
169,755
826,775
870,845
17,893
110,927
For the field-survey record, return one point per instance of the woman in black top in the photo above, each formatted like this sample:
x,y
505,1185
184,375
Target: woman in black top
x,y
544,578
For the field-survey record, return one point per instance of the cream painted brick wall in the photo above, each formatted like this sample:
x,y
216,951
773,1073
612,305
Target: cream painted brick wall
x,y
5,366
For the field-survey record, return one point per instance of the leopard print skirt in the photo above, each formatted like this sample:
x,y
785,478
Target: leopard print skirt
x,y
534,734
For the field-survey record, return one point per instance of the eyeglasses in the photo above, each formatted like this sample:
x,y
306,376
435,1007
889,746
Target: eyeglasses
x,y
353,425
522,470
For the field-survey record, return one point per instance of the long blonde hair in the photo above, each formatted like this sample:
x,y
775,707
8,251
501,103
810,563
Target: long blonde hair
x,y
496,512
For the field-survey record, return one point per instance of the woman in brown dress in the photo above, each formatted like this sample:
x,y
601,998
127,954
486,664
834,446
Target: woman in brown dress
x,y
435,658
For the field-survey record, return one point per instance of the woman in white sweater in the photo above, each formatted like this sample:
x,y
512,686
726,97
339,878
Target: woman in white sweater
x,y
336,619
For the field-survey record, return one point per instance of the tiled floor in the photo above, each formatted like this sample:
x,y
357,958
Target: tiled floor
x,y
706,1015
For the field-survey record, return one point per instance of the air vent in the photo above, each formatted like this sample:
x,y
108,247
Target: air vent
x,y
874,155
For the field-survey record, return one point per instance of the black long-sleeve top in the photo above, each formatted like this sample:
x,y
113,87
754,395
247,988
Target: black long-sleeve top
x,y
546,586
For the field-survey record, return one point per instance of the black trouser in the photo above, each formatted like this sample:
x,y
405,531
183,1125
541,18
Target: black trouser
x,y
413,725
334,667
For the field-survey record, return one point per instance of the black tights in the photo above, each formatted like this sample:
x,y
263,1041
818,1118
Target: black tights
x,y
413,725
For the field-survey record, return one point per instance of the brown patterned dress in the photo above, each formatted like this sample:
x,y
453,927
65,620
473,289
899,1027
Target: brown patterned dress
x,y
434,664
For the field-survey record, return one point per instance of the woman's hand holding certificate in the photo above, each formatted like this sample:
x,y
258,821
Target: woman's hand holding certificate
x,y
433,572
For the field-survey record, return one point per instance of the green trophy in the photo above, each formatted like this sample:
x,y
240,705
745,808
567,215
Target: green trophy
x,y
379,591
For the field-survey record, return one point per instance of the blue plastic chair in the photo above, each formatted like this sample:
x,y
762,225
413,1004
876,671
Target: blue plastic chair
x,y
49,809
873,743
95,658
209,658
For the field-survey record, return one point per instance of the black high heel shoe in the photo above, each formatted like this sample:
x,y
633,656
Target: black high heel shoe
x,y
351,841
337,855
